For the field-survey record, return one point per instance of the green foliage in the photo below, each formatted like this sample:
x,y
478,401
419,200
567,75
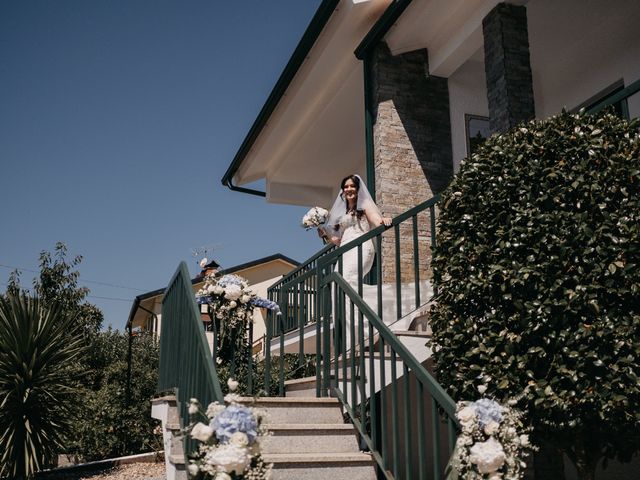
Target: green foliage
x,y
110,424
538,272
36,352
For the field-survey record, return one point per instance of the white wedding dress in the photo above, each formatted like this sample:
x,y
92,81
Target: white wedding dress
x,y
352,227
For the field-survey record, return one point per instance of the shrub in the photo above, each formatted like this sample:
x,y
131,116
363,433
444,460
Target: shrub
x,y
37,349
537,268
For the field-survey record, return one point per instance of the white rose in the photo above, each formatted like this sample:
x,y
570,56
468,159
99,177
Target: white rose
x,y
524,440
232,292
222,476
239,439
232,304
218,290
203,262
214,409
193,469
232,384
211,289
495,476
491,428
201,432
482,389
229,459
466,415
487,456
245,298
193,408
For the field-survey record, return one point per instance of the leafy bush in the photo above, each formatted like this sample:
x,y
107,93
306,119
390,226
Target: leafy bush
x,y
538,272
111,424
36,353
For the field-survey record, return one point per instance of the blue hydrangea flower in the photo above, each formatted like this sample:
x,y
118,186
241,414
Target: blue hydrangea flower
x,y
203,300
264,303
235,418
231,279
487,411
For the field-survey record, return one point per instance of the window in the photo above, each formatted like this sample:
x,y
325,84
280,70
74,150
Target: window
x,y
477,131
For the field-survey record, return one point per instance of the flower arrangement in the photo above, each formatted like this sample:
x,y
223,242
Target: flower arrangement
x,y
314,218
229,437
231,299
493,443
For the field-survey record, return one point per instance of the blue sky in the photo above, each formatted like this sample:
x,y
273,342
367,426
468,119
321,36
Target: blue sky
x,y
117,120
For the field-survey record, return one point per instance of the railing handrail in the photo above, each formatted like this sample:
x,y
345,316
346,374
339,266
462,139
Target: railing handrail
x,y
303,266
615,98
397,220
331,250
421,373
183,335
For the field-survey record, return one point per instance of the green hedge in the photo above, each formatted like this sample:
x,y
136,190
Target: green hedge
x,y
537,264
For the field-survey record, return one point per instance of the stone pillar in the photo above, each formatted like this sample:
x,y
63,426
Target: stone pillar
x,y
507,67
412,148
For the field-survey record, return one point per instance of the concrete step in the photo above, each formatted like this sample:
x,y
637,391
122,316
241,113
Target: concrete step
x,y
310,438
320,466
281,410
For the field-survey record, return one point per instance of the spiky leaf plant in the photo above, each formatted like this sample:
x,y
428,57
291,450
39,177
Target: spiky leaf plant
x,y
38,344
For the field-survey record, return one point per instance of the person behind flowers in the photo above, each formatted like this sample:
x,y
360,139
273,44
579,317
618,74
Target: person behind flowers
x,y
354,213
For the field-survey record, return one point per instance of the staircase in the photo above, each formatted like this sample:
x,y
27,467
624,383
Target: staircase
x,y
310,441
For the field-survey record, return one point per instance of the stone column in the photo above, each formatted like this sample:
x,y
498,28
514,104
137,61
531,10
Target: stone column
x,y
507,67
412,148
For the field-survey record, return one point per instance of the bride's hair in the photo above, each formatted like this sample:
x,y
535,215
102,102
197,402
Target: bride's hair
x,y
356,180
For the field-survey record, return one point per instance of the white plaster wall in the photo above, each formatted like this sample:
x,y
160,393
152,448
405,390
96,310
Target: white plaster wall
x,y
580,47
467,95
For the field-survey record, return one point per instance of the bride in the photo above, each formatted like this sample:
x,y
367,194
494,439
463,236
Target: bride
x,y
354,213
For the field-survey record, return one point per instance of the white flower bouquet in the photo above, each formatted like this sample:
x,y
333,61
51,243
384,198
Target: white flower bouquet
x,y
314,218
493,443
231,299
229,437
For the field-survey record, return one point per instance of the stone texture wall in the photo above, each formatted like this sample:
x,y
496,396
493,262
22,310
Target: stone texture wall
x,y
507,67
412,149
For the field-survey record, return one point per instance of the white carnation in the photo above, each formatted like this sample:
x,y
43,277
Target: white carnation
x,y
466,415
487,456
229,458
232,292
214,409
193,469
491,428
201,432
239,439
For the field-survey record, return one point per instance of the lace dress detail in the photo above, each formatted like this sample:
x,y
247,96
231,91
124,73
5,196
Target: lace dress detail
x,y
352,227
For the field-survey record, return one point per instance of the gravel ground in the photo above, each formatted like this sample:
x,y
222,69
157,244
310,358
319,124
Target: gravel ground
x,y
137,471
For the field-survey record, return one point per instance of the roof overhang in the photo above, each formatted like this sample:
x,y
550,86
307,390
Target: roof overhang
x,y
310,133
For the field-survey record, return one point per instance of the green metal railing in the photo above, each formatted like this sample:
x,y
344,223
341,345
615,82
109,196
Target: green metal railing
x,y
402,413
619,100
185,359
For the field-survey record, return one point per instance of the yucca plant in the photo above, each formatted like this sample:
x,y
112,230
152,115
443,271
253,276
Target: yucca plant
x,y
38,344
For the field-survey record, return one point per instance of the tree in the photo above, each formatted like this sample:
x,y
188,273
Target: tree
x,y
36,352
538,274
110,424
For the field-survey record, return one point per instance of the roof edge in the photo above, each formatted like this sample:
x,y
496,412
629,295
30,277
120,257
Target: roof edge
x,y
380,28
311,34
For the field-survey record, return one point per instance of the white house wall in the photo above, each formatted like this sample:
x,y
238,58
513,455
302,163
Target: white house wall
x,y
580,47
467,95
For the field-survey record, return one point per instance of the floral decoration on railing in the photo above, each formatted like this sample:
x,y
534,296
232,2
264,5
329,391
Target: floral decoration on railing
x,y
493,444
229,437
231,299
314,218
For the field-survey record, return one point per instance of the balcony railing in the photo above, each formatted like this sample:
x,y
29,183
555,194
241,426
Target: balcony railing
x,y
186,367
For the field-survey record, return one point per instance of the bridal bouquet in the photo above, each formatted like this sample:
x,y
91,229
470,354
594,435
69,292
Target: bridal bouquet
x,y
493,442
229,437
314,218
231,299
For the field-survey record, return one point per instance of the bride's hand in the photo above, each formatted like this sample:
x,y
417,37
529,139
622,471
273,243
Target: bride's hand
x,y
386,221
